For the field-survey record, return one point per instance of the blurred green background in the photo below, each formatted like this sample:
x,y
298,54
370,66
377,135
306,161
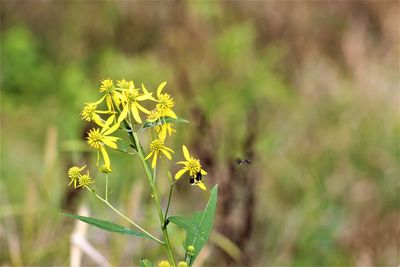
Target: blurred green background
x,y
308,91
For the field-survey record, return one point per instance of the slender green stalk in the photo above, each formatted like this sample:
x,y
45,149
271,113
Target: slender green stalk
x,y
151,179
106,195
126,218
169,202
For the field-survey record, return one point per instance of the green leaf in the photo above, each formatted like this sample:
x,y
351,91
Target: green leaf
x,y
145,263
108,226
186,223
163,120
203,221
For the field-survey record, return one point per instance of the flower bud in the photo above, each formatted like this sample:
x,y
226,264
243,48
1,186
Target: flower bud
x,y
105,169
190,250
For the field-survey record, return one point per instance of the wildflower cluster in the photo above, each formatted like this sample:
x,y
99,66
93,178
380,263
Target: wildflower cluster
x,y
77,178
127,108
122,114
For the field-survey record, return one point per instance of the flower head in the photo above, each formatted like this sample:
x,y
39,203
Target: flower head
x,y
106,86
98,139
85,180
74,173
164,264
90,113
162,128
130,101
111,95
182,264
193,166
156,148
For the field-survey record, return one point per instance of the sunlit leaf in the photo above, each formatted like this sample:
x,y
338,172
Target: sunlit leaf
x,y
145,263
108,226
163,120
203,221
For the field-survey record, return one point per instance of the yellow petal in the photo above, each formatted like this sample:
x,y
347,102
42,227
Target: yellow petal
x,y
166,153
149,155
99,101
109,102
135,113
180,173
170,113
112,129
186,152
160,88
163,133
201,185
154,162
109,143
105,157
143,109
203,172
181,162
124,113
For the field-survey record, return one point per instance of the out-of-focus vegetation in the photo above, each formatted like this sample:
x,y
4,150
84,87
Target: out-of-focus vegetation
x,y
308,91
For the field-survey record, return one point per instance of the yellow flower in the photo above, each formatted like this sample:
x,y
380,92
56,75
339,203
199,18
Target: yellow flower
x,y
74,173
182,264
85,180
162,129
106,85
90,113
111,95
165,102
130,99
164,264
156,147
98,139
122,84
193,166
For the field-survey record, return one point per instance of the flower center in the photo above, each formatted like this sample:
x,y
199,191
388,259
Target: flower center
x,y
95,138
106,85
131,95
165,101
193,166
88,112
85,180
157,145
74,172
153,115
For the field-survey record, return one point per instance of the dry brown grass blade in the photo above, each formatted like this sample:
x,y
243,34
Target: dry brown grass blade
x,y
79,243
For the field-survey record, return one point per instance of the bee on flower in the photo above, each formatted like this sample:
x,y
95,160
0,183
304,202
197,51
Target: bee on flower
x,y
192,166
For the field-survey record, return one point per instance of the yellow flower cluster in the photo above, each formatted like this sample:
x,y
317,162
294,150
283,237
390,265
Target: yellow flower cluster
x,y
77,178
125,106
133,108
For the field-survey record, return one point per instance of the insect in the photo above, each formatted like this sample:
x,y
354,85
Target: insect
x,y
199,176
242,161
194,180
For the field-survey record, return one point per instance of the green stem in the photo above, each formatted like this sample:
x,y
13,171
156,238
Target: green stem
x,y
126,218
106,196
151,179
169,201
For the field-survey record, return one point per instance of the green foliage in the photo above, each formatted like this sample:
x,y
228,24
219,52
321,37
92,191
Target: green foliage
x,y
149,124
199,227
145,263
108,226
